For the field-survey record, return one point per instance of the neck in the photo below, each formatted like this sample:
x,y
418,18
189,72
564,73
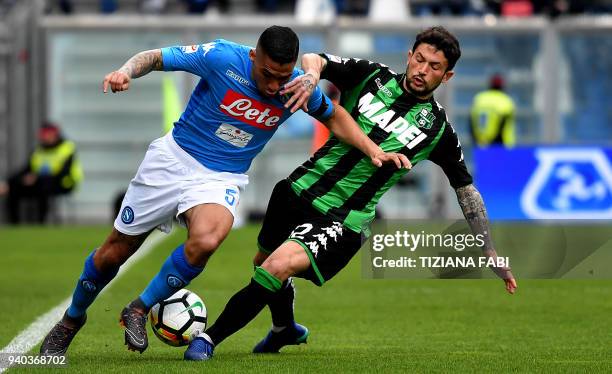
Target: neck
x,y
51,145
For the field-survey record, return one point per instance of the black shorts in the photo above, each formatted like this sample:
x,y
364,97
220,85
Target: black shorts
x,y
329,244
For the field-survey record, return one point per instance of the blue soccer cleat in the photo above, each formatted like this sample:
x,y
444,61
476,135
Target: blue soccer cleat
x,y
274,341
199,349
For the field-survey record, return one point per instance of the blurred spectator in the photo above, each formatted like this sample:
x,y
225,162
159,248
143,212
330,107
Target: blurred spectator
x,y
223,5
388,10
490,6
556,8
201,6
152,6
108,6
310,11
267,6
492,116
196,6
551,8
65,6
441,7
326,10
517,8
352,7
275,6
53,169
598,6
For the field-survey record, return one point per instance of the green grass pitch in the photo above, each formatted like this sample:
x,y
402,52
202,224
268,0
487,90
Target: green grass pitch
x,y
356,325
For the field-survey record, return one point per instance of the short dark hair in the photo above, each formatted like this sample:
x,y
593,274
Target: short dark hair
x,y
443,40
280,43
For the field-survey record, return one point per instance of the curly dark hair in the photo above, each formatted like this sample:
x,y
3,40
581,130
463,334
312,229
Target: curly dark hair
x,y
443,40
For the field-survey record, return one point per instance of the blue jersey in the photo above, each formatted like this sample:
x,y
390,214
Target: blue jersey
x,y
227,121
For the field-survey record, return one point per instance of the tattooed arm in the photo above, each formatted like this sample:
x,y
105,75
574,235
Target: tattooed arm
x,y
137,66
302,86
475,213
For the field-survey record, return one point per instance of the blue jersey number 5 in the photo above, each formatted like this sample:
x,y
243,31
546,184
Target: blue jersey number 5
x,y
230,196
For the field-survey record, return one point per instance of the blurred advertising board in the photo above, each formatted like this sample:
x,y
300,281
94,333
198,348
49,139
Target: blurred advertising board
x,y
545,182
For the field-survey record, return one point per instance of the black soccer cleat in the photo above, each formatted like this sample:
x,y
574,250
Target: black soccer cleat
x,y
135,323
58,340
274,341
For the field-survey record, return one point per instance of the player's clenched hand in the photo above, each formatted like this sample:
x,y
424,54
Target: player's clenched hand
x,y
503,272
400,160
117,80
299,89
510,284
506,275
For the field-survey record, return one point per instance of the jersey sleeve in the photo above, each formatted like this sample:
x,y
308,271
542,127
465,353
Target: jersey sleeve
x,y
197,59
320,106
346,73
448,154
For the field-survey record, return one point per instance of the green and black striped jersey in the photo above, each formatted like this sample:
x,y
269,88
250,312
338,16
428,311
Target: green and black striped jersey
x,y
339,180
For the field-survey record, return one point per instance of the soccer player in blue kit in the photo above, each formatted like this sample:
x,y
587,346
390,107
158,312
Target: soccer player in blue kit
x,y
197,171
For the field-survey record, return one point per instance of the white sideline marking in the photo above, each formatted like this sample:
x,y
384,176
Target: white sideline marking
x,y
37,330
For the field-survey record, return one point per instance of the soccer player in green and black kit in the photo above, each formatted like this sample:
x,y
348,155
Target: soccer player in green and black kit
x,y
318,218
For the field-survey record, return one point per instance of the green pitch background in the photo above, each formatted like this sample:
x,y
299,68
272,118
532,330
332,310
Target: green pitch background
x,y
356,325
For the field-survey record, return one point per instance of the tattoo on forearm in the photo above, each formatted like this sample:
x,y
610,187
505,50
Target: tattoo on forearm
x,y
475,213
143,63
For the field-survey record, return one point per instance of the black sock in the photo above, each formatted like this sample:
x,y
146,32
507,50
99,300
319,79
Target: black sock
x,y
139,304
281,306
241,309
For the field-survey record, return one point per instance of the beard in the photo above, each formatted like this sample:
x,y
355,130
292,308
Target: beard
x,y
424,91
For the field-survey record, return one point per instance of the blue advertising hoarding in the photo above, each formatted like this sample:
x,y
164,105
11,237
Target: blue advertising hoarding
x,y
545,182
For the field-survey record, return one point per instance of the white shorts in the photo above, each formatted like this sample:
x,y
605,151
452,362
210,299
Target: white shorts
x,y
169,182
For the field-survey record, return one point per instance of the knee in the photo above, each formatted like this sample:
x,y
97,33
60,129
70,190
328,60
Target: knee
x,y
205,244
287,261
280,267
199,249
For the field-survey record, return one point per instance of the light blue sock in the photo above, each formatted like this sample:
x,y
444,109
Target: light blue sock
x,y
175,274
90,283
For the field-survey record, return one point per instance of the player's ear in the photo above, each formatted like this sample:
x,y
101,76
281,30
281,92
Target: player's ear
x,y
252,55
447,76
409,54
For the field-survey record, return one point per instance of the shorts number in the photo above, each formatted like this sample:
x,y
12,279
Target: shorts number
x,y
230,196
301,230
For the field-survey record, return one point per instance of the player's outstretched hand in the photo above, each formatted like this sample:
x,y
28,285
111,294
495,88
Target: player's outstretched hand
x,y
117,80
299,90
400,160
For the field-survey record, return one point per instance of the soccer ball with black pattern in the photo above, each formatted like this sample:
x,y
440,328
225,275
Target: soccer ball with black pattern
x,y
179,318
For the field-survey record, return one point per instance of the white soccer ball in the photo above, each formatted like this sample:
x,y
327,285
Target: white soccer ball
x,y
179,318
